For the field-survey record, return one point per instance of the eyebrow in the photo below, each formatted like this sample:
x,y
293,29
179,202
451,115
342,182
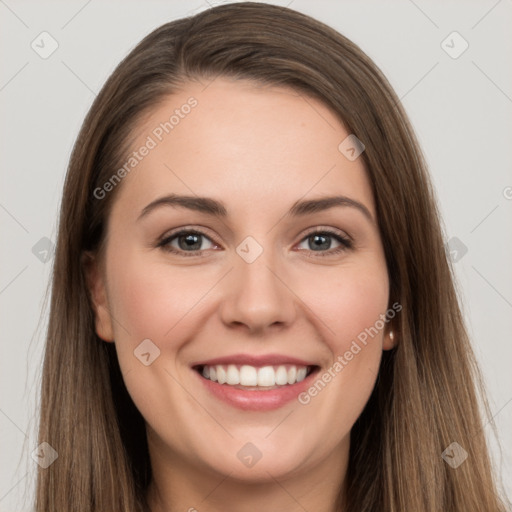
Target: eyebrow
x,y
217,208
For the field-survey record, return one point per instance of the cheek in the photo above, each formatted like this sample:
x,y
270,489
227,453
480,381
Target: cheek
x,y
158,301
348,302
351,306
151,300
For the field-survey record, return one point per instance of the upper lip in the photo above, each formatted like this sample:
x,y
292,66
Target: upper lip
x,y
253,360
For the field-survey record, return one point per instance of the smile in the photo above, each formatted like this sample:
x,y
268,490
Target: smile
x,y
254,378
258,386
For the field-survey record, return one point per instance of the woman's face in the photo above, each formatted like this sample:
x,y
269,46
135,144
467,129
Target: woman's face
x,y
233,279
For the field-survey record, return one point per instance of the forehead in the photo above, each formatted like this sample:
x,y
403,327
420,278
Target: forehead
x,y
252,146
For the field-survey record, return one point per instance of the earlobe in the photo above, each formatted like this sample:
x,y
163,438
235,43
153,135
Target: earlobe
x,y
98,297
389,341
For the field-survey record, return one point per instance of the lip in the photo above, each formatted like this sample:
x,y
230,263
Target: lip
x,y
254,400
252,360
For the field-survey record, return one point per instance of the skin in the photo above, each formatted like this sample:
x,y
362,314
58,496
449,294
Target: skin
x,y
257,149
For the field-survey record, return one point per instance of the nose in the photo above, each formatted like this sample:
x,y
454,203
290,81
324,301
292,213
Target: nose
x,y
257,297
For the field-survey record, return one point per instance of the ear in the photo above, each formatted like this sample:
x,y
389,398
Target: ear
x,y
390,337
98,296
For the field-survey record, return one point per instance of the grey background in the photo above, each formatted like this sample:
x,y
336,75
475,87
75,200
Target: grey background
x,y
460,108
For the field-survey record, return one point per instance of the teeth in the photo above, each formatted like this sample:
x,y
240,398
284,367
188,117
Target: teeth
x,y
301,374
292,375
222,376
245,375
266,376
233,375
281,376
248,376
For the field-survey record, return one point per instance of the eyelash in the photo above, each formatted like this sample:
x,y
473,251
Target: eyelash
x,y
345,242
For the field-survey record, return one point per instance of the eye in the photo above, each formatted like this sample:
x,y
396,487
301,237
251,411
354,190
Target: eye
x,y
189,243
320,240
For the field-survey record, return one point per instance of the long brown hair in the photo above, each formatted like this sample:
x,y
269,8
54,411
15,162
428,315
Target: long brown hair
x,y
429,391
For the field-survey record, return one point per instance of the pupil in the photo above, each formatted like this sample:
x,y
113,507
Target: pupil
x,y
190,241
324,245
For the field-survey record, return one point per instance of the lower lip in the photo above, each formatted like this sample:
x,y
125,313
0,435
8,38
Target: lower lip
x,y
257,400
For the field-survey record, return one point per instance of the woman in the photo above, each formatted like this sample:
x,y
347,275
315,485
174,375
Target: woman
x,y
258,371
